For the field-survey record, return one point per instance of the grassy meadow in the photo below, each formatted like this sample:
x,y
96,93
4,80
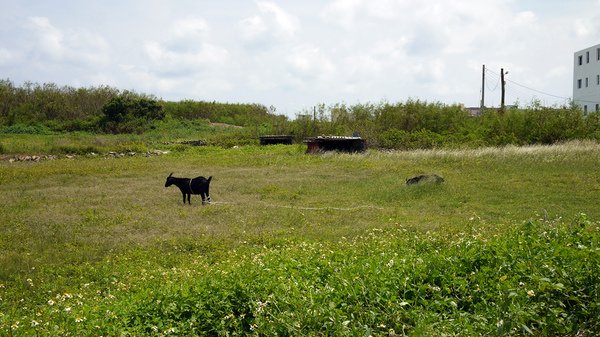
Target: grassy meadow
x,y
296,244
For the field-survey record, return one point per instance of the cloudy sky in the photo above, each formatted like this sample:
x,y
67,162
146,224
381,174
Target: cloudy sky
x,y
296,54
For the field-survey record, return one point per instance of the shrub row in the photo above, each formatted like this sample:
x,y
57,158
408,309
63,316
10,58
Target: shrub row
x,y
106,109
406,125
415,124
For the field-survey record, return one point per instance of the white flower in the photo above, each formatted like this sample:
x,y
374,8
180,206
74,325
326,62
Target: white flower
x,y
530,293
50,302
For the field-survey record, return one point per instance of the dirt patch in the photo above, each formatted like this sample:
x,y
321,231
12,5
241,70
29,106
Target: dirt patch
x,y
38,158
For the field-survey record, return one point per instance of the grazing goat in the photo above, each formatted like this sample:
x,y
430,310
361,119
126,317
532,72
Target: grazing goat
x,y
434,178
198,185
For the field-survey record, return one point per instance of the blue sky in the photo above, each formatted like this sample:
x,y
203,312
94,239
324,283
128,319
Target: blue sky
x,y
296,54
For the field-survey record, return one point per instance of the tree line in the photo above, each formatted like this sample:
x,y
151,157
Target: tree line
x,y
403,125
111,110
416,124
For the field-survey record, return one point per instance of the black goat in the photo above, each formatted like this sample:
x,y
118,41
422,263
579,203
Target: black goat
x,y
198,185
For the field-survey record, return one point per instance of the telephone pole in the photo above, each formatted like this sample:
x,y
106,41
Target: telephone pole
x,y
482,89
503,82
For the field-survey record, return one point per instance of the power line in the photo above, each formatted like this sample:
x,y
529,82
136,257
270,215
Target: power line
x,y
496,80
532,89
538,91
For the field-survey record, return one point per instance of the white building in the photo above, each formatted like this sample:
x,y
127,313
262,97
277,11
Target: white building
x,y
586,79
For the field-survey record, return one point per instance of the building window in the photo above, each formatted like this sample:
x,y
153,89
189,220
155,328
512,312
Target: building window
x,y
598,53
597,107
597,79
586,82
580,59
585,109
587,57
579,84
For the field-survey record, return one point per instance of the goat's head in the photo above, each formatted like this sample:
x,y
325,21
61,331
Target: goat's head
x,y
169,181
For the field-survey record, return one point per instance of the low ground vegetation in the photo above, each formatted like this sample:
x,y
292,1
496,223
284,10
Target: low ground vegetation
x,y
330,244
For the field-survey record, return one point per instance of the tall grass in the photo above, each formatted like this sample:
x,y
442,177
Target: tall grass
x,y
302,244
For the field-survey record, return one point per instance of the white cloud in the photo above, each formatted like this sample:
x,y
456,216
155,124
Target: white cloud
x,y
78,47
350,13
583,28
6,56
252,27
190,27
272,25
310,62
185,51
184,63
175,88
525,18
49,38
284,21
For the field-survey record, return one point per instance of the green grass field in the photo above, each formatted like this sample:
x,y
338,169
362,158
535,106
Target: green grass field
x,y
296,244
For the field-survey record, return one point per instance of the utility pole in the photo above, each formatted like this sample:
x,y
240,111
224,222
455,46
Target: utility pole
x,y
503,89
482,89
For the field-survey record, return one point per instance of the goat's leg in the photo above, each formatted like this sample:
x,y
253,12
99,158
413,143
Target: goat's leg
x,y
189,196
183,198
205,198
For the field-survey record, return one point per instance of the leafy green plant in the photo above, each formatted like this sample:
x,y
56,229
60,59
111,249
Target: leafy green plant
x,y
403,140
130,114
36,129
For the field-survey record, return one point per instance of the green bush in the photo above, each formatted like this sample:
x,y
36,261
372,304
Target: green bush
x,y
34,129
88,125
403,140
34,103
416,124
228,113
130,114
